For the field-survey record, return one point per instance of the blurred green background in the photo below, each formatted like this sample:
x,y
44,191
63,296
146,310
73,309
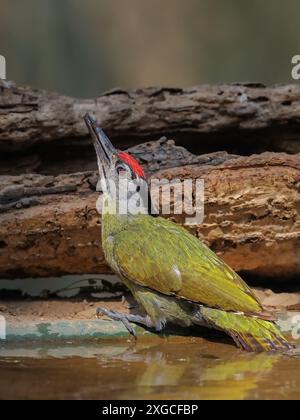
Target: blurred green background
x,y
83,47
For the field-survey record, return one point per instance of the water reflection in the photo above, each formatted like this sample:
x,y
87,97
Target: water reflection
x,y
174,368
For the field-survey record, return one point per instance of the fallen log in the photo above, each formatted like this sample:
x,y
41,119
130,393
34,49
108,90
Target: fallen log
x,y
49,224
240,118
252,212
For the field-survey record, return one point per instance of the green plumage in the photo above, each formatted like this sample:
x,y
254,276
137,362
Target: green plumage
x,y
176,278
172,275
248,332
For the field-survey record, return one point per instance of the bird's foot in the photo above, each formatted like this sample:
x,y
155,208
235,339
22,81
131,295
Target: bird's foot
x,y
117,316
126,319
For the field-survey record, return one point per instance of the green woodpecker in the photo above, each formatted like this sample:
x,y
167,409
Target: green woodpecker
x,y
172,275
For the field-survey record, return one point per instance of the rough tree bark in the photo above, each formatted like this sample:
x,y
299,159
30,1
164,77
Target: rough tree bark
x,y
48,221
49,225
269,115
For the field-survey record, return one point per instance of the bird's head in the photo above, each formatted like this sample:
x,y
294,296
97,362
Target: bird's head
x,y
115,165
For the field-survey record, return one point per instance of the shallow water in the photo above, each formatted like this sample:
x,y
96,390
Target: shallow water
x,y
160,368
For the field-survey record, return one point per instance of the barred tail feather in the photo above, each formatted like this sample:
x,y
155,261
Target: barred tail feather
x,y
249,333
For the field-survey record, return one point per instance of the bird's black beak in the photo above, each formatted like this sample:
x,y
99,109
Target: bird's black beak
x,y
104,149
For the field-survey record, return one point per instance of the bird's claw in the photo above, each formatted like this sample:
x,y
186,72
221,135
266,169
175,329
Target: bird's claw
x,y
129,326
117,316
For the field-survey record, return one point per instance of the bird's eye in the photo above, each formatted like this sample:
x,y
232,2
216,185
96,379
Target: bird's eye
x,y
121,169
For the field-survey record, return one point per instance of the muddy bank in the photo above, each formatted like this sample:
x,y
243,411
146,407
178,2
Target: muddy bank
x,y
52,310
39,310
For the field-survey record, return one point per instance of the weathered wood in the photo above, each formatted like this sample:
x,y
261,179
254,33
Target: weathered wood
x,y
237,118
48,221
252,215
27,190
252,212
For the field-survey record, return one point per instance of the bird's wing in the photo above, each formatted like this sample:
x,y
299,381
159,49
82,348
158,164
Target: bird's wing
x,y
163,256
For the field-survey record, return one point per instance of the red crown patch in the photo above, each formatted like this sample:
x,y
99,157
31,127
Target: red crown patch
x,y
132,162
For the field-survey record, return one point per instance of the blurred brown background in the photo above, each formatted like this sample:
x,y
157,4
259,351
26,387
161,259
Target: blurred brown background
x,y
82,48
